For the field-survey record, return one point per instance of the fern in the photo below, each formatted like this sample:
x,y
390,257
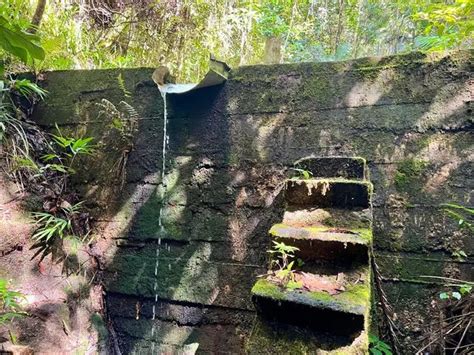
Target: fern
x,y
122,86
27,89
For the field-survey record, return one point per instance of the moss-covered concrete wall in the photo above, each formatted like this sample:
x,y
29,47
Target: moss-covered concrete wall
x,y
229,150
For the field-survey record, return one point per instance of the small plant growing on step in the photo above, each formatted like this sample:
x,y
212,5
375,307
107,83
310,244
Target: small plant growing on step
x,y
285,273
302,174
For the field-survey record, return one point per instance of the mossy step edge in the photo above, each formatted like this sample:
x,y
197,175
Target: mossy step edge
x,y
355,300
354,235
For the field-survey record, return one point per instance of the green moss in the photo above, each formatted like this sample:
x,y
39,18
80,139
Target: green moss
x,y
363,233
233,158
357,294
408,174
422,142
270,338
321,296
319,87
330,222
265,288
354,295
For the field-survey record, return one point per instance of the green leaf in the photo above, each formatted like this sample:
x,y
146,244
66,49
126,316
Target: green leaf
x,y
465,289
456,295
444,295
58,167
48,157
19,43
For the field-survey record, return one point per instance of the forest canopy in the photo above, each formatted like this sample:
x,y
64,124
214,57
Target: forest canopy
x,y
86,34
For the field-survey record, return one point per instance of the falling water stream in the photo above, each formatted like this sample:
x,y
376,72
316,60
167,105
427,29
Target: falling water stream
x,y
162,190
164,89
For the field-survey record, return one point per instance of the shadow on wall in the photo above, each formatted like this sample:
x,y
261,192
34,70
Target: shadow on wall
x,y
229,147
410,117
206,259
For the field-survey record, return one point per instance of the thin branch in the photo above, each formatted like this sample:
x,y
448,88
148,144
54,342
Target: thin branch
x,y
436,339
385,306
462,337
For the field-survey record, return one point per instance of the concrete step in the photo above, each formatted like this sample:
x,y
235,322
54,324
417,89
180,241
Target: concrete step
x,y
361,236
340,193
342,313
334,167
340,247
268,337
328,217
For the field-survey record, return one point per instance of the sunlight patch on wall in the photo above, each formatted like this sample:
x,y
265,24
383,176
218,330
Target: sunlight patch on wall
x,y
444,105
369,92
201,273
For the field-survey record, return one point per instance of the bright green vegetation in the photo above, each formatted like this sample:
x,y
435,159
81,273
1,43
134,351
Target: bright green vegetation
x,y
265,287
18,42
62,219
378,347
45,175
58,225
9,303
302,174
284,264
182,34
463,290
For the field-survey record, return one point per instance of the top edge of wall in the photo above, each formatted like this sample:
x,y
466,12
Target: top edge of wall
x,y
391,61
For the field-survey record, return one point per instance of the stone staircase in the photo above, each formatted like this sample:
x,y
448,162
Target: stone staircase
x,y
328,217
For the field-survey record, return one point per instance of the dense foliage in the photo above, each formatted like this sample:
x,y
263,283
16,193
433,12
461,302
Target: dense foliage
x,y
182,33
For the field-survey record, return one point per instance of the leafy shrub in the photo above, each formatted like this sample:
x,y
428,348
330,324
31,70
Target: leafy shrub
x,y
378,347
9,303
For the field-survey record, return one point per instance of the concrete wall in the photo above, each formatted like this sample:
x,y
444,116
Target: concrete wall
x,y
229,150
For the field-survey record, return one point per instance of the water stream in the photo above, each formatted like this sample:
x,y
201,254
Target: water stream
x,y
161,192
164,90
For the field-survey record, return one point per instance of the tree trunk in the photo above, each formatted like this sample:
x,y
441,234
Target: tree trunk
x,y
339,26
36,20
272,53
355,44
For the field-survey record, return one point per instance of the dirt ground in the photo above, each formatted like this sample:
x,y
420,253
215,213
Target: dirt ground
x,y
59,307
